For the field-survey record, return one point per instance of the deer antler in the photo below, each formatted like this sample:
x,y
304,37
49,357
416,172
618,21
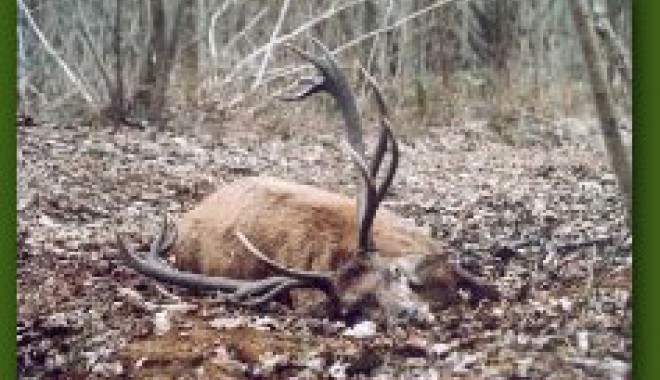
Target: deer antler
x,y
370,192
386,137
245,292
331,79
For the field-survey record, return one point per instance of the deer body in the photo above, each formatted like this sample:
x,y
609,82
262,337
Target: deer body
x,y
257,239
296,225
301,227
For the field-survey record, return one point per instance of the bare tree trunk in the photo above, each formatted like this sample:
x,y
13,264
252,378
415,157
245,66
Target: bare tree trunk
x,y
369,23
619,157
156,65
617,51
404,61
117,102
190,60
160,61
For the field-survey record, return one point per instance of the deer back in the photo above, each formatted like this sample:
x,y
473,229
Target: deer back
x,y
297,225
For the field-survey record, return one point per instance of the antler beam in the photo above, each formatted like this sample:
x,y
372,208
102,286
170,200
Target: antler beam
x,y
246,292
370,191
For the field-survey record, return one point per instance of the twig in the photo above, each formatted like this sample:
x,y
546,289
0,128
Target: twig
x,y
247,28
271,44
231,76
304,27
214,19
396,25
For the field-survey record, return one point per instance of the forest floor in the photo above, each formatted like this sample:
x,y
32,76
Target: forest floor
x,y
82,314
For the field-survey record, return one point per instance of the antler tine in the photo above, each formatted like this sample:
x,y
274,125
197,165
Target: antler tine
x,y
312,85
381,147
334,82
386,136
394,162
257,288
381,188
158,242
379,152
370,194
168,244
263,295
328,81
277,267
294,278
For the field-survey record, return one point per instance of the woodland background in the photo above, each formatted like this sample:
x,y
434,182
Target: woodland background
x,y
205,62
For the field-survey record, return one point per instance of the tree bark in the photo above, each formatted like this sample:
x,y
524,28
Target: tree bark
x,y
617,51
118,97
190,60
161,57
156,62
619,156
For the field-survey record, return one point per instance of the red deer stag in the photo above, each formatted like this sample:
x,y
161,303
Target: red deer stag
x,y
257,239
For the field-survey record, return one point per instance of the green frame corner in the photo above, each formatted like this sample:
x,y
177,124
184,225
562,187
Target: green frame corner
x,y
646,280
8,366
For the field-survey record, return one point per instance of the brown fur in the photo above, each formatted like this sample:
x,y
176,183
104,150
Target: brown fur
x,y
299,226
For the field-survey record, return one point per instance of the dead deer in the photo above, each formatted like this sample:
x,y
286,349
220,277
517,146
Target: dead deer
x,y
257,239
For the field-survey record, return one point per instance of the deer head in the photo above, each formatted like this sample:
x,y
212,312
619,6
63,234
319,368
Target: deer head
x,y
371,280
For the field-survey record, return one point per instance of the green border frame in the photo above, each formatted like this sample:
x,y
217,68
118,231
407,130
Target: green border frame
x,y
646,284
646,61
8,367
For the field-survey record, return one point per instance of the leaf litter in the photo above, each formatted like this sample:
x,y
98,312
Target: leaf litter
x,y
82,314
